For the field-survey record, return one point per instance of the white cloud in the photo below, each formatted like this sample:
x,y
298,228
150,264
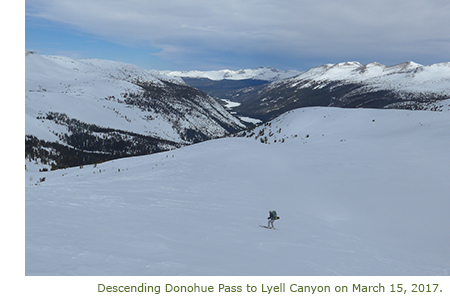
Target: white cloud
x,y
325,28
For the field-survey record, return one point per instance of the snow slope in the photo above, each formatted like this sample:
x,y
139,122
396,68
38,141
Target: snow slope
x,y
112,101
261,73
90,90
349,85
408,77
359,192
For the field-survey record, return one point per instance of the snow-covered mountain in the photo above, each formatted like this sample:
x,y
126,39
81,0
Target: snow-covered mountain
x,y
359,192
228,84
261,73
408,85
83,111
407,78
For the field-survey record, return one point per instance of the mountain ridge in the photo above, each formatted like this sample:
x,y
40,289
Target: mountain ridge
x,y
97,107
350,84
261,73
111,109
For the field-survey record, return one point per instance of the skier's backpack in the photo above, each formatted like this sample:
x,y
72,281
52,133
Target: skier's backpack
x,y
273,214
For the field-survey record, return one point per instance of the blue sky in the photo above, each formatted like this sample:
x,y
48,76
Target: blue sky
x,y
235,34
48,37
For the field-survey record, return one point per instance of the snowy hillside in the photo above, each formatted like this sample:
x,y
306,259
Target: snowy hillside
x,y
97,110
351,85
359,192
408,77
261,73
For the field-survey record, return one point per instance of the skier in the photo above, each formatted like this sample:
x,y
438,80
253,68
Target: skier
x,y
272,217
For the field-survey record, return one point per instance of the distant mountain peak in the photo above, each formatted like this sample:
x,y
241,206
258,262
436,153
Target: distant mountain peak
x,y
29,52
356,72
260,73
407,85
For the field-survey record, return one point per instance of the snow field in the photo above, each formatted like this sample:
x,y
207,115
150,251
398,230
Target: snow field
x,y
364,194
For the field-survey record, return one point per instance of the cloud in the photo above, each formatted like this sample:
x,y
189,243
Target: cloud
x,y
292,29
